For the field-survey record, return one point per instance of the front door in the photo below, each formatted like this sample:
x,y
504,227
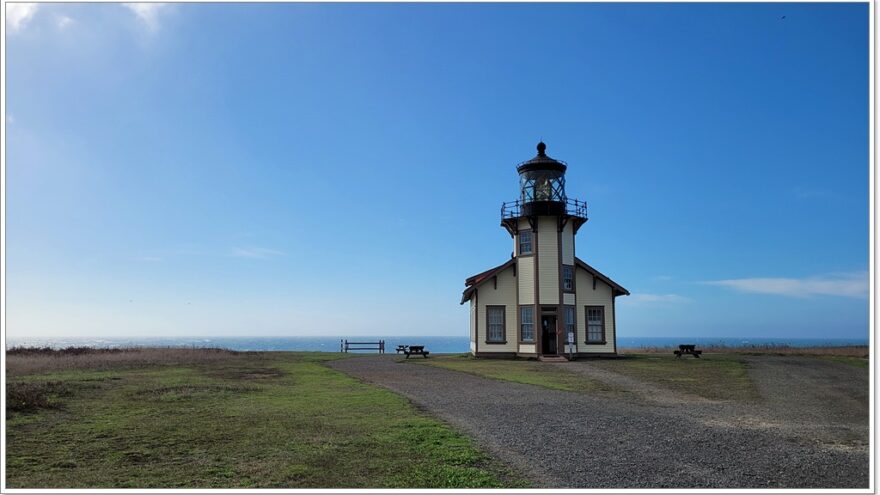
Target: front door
x,y
548,335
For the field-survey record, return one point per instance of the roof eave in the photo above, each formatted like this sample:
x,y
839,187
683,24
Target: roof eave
x,y
485,276
621,291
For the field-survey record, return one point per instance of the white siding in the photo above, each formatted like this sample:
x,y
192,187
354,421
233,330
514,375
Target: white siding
x,y
568,244
503,295
473,319
569,299
525,274
527,348
548,261
586,296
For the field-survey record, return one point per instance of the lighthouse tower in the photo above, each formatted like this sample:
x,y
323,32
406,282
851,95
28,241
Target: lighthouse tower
x,y
544,301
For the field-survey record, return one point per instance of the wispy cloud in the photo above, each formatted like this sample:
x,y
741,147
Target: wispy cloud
x,y
255,252
148,13
840,284
62,21
18,15
643,298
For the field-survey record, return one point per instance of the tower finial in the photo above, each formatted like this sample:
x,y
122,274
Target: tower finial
x,y
541,148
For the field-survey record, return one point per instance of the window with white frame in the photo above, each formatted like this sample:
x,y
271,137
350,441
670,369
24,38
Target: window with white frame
x,y
525,242
527,323
568,278
495,324
595,324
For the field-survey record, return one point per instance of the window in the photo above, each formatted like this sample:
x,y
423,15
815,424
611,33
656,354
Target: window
x,y
569,321
595,324
542,190
525,242
528,189
495,324
527,323
568,278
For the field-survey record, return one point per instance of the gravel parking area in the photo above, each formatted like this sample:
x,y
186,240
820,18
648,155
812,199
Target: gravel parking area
x,y
806,400
570,440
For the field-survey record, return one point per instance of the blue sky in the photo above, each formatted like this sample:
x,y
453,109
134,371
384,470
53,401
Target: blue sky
x,y
337,169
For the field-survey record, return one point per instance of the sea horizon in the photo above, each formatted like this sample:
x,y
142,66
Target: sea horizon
x,y
437,344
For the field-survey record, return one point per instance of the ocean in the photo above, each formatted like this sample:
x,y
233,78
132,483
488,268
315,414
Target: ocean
x,y
433,344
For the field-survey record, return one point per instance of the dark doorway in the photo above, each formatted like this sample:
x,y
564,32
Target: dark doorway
x,y
548,335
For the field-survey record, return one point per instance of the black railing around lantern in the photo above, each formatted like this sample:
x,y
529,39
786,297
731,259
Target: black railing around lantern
x,y
572,207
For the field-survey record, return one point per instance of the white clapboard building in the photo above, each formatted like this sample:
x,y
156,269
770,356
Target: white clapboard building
x,y
544,301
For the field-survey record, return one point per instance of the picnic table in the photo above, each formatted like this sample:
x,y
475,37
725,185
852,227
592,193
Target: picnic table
x,y
417,350
687,349
402,348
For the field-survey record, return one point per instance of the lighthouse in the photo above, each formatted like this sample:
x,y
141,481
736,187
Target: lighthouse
x,y
544,302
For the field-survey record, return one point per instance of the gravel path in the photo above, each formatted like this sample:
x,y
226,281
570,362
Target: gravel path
x,y
814,399
645,391
807,400
569,440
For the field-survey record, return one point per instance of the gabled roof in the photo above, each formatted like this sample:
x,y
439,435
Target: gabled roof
x,y
472,282
596,273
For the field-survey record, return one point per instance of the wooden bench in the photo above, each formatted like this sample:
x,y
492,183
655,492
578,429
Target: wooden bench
x,y
417,350
687,349
345,346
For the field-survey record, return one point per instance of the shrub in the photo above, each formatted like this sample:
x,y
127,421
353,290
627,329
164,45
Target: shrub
x,y
29,360
32,396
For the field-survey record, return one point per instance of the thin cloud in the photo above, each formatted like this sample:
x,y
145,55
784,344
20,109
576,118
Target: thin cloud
x,y
62,21
148,13
643,298
255,253
842,284
18,15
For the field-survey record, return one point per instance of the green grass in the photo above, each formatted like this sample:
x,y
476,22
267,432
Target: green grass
x,y
714,376
266,420
857,362
517,370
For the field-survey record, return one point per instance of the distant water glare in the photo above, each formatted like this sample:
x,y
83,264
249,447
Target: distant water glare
x,y
433,344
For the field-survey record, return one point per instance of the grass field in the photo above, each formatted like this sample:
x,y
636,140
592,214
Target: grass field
x,y
517,370
716,376
162,418
854,351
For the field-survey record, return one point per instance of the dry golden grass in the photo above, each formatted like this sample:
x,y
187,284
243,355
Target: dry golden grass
x,y
30,360
860,351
